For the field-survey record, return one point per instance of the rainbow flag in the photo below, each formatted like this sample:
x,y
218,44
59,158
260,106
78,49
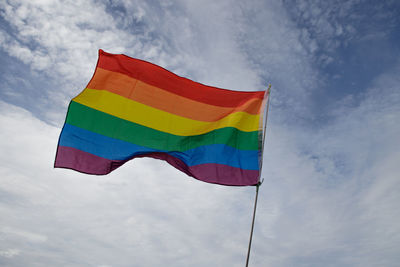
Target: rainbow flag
x,y
132,108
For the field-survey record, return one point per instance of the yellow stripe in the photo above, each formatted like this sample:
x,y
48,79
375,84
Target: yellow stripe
x,y
136,112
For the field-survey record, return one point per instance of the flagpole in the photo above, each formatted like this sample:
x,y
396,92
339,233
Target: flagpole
x,y
259,183
252,225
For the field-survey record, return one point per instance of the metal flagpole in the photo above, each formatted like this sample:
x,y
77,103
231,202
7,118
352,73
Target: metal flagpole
x,y
252,225
259,183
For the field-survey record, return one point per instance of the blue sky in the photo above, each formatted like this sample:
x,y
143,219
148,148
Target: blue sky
x,y
331,191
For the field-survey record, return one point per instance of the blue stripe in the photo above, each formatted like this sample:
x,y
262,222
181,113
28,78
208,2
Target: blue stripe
x,y
114,149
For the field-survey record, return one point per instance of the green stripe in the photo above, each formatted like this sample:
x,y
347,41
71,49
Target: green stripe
x,y
99,122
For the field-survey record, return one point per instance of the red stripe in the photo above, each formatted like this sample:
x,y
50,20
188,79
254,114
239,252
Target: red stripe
x,y
164,79
72,158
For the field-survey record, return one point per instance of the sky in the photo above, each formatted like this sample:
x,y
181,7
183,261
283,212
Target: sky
x,y
331,188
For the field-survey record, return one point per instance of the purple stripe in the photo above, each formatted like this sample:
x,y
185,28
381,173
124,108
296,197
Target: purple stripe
x,y
224,174
72,158
81,161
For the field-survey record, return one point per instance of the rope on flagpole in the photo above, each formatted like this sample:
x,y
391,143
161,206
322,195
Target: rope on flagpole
x,y
259,183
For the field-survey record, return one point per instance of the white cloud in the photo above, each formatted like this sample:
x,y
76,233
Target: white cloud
x,y
330,194
27,236
333,25
272,43
9,253
59,40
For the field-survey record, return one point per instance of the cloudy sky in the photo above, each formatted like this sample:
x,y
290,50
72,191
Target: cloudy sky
x,y
331,195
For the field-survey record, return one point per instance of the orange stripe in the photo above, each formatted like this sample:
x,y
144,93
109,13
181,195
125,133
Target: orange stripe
x,y
141,92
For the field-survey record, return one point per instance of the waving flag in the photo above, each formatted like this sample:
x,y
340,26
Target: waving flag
x,y
132,108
